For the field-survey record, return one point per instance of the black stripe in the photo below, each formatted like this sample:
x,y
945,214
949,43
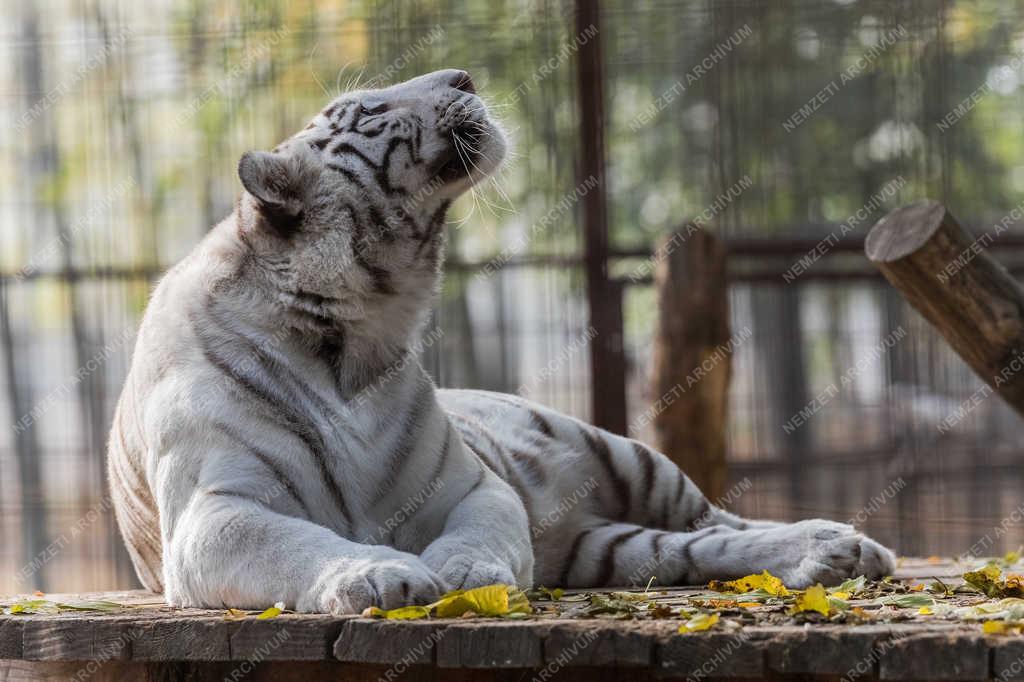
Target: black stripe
x,y
531,466
269,364
399,457
267,461
434,225
686,578
643,453
469,438
350,175
656,539
599,447
442,456
570,558
380,170
234,493
703,508
296,424
542,424
479,482
608,560
380,277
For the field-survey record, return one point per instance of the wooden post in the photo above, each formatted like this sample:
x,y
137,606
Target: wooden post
x,y
604,295
690,371
943,271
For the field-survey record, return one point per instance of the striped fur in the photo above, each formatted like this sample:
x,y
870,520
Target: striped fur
x,y
276,439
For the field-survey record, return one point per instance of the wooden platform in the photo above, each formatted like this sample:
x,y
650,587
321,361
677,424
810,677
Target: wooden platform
x,y
147,640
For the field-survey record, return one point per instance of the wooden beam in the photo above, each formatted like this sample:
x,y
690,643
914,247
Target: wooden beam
x,y
688,366
604,295
945,273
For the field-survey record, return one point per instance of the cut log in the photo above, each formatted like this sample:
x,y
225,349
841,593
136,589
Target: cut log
x,y
691,370
945,273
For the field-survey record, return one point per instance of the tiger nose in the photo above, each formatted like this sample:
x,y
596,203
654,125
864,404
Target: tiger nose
x,y
462,81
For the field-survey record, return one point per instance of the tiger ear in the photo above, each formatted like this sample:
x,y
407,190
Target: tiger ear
x,y
275,182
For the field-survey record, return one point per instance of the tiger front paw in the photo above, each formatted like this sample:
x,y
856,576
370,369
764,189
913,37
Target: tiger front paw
x,y
387,582
463,571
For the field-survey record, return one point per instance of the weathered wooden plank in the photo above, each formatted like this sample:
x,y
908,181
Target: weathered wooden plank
x,y
182,639
11,638
819,651
711,655
79,639
602,644
389,642
285,638
934,656
492,644
1008,659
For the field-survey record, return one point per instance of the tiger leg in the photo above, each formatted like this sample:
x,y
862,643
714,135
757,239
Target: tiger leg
x,y
645,487
607,554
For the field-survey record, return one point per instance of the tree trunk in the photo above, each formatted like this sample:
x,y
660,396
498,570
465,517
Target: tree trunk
x,y
972,300
692,357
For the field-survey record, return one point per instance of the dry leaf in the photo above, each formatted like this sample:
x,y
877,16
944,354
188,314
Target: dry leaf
x,y
812,599
765,581
699,623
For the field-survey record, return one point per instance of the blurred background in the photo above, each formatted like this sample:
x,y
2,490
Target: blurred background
x,y
774,125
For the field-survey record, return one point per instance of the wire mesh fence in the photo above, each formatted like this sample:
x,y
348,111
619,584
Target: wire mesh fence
x,y
787,128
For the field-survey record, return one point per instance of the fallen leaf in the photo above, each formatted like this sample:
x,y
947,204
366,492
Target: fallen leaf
x,y
909,601
765,581
925,611
851,587
546,593
235,614
273,612
812,599
748,604
988,580
489,600
46,606
402,613
699,623
999,627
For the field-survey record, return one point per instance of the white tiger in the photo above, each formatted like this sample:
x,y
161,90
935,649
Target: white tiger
x,y
275,426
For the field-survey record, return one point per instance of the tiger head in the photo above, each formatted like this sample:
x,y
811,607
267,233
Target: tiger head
x,y
346,217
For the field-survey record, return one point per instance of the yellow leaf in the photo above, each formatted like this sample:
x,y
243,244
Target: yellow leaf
x,y
925,611
994,627
403,613
748,604
273,612
765,581
812,599
841,595
699,623
235,614
917,588
1012,557
490,600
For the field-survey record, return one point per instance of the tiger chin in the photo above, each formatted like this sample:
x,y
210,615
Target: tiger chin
x,y
276,439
